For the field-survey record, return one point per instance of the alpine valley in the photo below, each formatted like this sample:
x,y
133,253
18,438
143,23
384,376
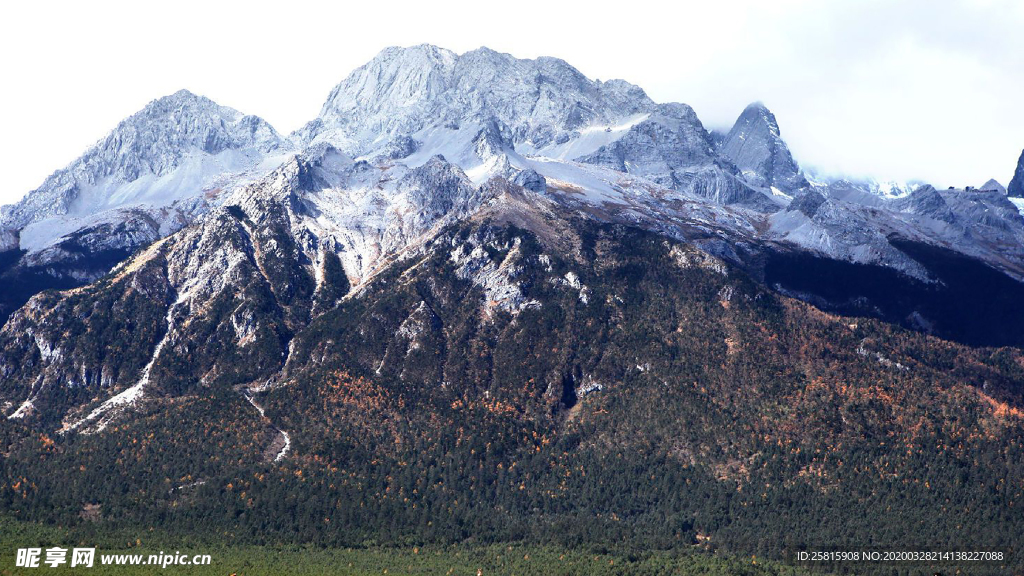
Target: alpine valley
x,y
486,299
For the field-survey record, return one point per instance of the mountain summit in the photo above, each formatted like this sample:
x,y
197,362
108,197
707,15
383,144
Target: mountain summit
x,y
992,185
179,130
155,172
424,91
755,145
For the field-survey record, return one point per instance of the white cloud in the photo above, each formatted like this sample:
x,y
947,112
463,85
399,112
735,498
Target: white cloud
x,y
896,89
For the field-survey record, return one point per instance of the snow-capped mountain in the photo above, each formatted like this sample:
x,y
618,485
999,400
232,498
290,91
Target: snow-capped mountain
x,y
420,137
495,115
474,274
156,172
486,112
171,150
441,100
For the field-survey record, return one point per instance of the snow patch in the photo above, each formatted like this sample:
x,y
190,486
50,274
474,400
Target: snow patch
x,y
588,141
115,405
26,408
287,446
588,387
1018,202
880,358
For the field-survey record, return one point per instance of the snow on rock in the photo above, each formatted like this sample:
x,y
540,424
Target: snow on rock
x,y
176,147
542,103
691,257
286,440
26,409
497,279
284,449
1019,203
571,280
861,350
588,386
100,418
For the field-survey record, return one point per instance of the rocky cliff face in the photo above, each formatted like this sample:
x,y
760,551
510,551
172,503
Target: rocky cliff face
x,y
755,145
1016,187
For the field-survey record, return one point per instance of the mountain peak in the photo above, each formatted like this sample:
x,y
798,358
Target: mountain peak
x,y
423,91
183,94
396,78
412,57
992,185
184,100
757,112
758,106
178,129
756,146
175,125
426,50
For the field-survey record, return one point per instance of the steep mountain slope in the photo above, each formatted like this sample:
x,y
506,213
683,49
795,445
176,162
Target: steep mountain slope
x,y
1016,187
228,293
755,145
157,171
523,372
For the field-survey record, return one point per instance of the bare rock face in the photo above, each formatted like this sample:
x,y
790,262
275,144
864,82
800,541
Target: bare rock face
x,y
926,201
662,148
1016,187
530,180
756,147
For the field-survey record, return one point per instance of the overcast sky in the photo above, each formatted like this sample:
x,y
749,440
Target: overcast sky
x,y
891,89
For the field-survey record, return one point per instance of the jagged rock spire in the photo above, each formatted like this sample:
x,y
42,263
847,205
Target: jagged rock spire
x,y
1016,187
756,146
